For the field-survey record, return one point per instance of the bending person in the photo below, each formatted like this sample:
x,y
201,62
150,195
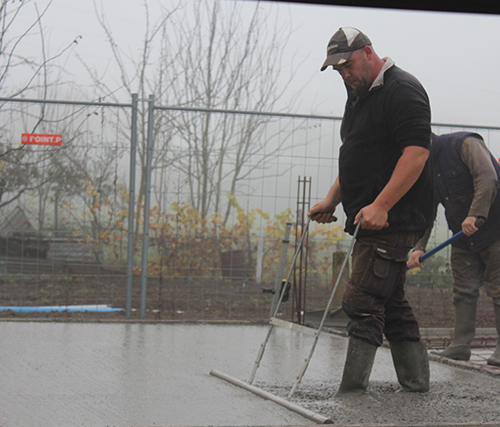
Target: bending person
x,y
466,184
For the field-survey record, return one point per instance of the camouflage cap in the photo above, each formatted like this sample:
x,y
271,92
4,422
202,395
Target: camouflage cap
x,y
342,44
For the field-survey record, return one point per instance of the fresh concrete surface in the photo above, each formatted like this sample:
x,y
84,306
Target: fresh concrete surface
x,y
143,374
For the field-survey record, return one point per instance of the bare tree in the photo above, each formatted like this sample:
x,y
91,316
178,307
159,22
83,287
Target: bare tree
x,y
24,73
225,59
137,74
205,55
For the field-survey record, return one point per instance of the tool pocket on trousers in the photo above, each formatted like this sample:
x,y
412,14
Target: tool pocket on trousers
x,y
383,271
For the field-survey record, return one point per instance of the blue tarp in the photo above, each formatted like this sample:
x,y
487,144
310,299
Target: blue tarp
x,y
45,309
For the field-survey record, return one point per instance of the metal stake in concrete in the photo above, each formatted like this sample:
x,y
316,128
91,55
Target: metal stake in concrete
x,y
300,272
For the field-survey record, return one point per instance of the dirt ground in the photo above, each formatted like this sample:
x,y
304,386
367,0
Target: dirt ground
x,y
197,299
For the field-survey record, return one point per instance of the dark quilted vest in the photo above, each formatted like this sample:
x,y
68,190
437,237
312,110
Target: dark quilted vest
x,y
454,189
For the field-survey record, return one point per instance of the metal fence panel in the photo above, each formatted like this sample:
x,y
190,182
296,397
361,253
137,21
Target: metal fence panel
x,y
223,186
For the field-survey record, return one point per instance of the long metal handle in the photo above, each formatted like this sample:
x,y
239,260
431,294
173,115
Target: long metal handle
x,y
263,345
325,314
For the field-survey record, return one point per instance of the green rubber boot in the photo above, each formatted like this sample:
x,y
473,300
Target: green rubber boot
x,y
465,328
357,369
412,365
495,357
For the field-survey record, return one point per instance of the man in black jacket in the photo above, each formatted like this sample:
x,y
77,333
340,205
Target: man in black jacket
x,y
385,182
466,183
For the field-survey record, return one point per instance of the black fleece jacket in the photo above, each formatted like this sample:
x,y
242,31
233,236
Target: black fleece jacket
x,y
376,127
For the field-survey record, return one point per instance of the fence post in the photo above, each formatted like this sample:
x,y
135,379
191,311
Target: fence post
x,y
147,199
131,207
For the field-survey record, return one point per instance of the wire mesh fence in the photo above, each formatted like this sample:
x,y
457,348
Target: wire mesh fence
x,y
222,186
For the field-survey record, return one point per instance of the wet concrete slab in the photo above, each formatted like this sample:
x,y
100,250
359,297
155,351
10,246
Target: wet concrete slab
x,y
142,374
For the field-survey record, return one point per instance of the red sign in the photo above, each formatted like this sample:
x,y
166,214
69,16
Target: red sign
x,y
39,139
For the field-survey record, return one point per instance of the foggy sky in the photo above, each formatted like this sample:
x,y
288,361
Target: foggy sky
x,y
452,54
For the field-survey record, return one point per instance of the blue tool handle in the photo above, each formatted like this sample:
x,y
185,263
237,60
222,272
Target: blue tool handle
x,y
479,223
441,246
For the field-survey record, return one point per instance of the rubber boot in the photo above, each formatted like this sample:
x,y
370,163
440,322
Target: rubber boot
x,y
465,328
495,357
412,365
357,369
